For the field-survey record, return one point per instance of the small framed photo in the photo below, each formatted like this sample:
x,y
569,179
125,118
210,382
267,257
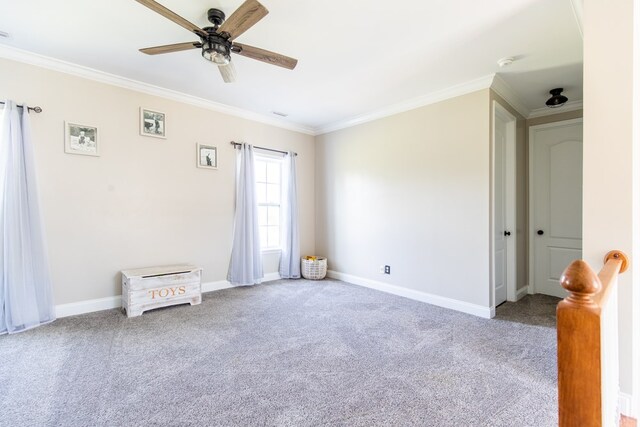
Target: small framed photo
x,y
81,139
207,156
152,123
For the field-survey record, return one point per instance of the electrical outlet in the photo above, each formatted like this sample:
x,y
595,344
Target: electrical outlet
x,y
382,269
387,269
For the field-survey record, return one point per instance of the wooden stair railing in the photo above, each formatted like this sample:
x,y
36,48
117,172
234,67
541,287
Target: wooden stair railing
x,y
583,336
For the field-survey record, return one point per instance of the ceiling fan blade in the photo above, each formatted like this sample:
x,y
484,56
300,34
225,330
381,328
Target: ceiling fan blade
x,y
157,7
265,56
228,72
168,48
250,12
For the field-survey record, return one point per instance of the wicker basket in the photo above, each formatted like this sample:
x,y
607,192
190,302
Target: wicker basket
x,y
314,269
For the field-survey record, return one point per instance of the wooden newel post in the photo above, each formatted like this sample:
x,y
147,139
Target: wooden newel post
x,y
579,352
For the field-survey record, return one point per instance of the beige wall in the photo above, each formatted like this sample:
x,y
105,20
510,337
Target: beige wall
x,y
143,201
609,218
522,202
410,191
635,256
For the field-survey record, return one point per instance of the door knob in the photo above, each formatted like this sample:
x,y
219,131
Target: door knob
x,y
540,232
507,233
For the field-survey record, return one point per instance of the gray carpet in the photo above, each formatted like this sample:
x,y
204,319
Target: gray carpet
x,y
288,353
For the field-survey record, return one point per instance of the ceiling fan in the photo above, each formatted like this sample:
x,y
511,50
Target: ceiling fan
x,y
216,41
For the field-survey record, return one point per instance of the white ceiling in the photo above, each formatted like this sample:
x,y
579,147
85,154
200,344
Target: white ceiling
x,y
355,57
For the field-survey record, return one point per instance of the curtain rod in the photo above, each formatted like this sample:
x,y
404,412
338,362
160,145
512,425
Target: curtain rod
x,y
34,109
236,144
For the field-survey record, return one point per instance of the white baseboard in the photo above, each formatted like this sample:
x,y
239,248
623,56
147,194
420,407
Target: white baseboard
x,y
88,306
225,284
625,403
520,293
465,307
270,277
108,303
492,313
216,286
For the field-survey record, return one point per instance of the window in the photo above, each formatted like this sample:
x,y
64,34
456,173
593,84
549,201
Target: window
x,y
268,189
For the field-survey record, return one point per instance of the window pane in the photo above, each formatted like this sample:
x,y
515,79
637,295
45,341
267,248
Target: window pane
x,y
261,193
273,193
274,215
264,235
273,172
274,237
262,215
268,173
261,171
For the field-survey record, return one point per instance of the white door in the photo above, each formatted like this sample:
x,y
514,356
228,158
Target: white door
x,y
500,245
504,199
556,202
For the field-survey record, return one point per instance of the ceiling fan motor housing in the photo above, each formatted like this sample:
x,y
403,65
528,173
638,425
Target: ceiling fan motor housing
x,y
216,17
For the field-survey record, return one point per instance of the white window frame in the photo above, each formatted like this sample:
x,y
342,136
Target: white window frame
x,y
271,158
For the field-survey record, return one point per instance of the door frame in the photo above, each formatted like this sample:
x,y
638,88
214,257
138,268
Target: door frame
x,y
510,202
532,284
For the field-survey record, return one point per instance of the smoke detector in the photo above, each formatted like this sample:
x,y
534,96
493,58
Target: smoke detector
x,y
504,62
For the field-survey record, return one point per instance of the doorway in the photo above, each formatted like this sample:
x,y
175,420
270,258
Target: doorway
x,y
503,227
555,203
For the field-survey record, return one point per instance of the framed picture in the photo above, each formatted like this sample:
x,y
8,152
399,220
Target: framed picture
x,y
207,156
152,123
81,139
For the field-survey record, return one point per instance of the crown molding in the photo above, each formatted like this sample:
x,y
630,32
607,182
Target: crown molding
x,y
421,101
47,62
493,81
501,87
546,111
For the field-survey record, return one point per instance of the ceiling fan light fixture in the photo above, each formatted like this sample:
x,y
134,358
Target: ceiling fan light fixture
x,y
216,53
557,98
217,40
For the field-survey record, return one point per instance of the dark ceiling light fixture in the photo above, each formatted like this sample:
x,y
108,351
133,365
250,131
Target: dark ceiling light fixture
x,y
557,98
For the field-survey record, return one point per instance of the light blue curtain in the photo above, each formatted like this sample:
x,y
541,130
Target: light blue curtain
x,y
25,287
290,257
245,267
